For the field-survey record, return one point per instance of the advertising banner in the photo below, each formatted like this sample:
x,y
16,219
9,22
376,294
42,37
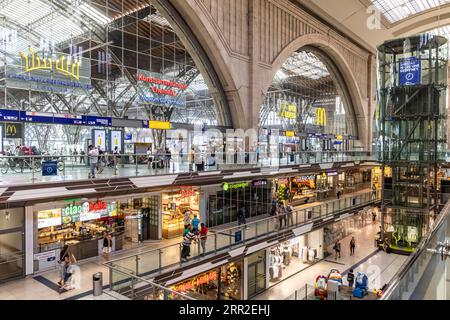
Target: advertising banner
x,y
116,140
49,218
410,71
156,89
13,130
99,139
59,73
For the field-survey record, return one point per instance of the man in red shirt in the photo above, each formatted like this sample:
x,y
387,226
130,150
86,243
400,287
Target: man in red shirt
x,y
203,236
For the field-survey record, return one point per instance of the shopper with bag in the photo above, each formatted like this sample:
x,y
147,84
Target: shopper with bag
x,y
69,271
62,267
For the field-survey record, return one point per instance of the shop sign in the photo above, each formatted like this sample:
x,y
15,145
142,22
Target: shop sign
x,y
13,130
259,183
71,214
187,192
48,71
49,218
229,186
88,211
288,110
330,174
195,282
290,134
162,91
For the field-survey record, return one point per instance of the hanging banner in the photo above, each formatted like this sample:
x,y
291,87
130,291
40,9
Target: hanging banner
x,y
154,88
410,71
47,71
288,110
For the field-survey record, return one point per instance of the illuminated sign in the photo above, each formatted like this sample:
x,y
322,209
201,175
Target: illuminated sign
x,y
48,71
229,186
339,139
195,282
321,117
160,125
187,192
49,218
289,134
259,183
13,130
62,65
288,110
163,92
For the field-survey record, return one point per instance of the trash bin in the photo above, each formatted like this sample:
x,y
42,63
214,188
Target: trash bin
x,y
97,283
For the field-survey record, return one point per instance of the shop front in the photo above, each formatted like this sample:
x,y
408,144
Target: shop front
x,y
176,206
80,224
222,283
326,184
296,190
224,201
292,256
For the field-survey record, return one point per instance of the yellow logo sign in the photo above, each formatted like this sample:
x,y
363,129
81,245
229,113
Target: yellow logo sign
x,y
62,65
11,130
321,117
288,110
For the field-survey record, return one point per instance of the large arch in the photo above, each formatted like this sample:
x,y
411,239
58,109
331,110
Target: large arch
x,y
324,45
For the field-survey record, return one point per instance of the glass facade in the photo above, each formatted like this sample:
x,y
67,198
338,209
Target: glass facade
x,y
114,58
306,97
225,204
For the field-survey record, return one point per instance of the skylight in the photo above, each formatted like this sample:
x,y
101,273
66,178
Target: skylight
x,y
396,10
305,64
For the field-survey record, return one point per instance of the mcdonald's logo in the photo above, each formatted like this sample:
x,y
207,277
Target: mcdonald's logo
x,y
321,117
11,130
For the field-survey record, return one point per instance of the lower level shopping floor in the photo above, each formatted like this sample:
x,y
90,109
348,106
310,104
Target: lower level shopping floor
x,y
273,273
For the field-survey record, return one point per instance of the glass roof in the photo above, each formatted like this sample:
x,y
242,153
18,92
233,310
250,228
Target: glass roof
x,y
396,10
442,31
46,19
304,64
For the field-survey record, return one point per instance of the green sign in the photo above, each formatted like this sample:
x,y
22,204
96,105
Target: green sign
x,y
71,213
229,186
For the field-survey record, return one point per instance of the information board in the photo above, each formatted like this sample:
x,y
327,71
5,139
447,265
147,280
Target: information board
x,y
410,71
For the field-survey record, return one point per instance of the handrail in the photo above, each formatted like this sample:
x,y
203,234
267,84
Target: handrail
x,y
150,283
242,226
420,249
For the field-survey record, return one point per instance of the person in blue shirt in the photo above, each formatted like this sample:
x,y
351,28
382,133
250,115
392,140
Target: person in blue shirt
x,y
195,223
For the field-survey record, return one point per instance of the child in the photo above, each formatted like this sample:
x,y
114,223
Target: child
x,y
350,278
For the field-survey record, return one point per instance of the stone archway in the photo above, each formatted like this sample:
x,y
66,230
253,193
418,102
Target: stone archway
x,y
324,45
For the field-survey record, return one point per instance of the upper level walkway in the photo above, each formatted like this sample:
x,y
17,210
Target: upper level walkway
x,y
25,170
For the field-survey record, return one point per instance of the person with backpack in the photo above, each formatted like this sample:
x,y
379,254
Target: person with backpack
x,y
351,278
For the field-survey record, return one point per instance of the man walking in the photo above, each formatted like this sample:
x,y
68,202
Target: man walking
x,y
241,217
93,160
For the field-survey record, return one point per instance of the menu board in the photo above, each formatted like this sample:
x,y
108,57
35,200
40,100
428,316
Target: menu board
x,y
49,218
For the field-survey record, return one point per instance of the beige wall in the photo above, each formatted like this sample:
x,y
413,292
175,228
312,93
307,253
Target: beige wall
x,y
248,40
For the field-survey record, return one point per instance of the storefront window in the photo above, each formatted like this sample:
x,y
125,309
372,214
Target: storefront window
x,y
11,243
296,190
178,209
292,256
223,283
224,205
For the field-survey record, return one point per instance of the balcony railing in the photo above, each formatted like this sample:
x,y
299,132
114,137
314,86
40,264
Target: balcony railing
x,y
423,276
148,263
44,168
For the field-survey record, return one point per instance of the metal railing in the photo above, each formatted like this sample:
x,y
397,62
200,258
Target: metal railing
x,y
133,287
149,262
421,276
38,168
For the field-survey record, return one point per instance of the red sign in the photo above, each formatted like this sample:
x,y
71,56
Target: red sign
x,y
195,282
187,192
167,83
100,205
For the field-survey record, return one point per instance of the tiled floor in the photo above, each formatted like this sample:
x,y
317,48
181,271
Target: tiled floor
x,y
31,288
379,267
